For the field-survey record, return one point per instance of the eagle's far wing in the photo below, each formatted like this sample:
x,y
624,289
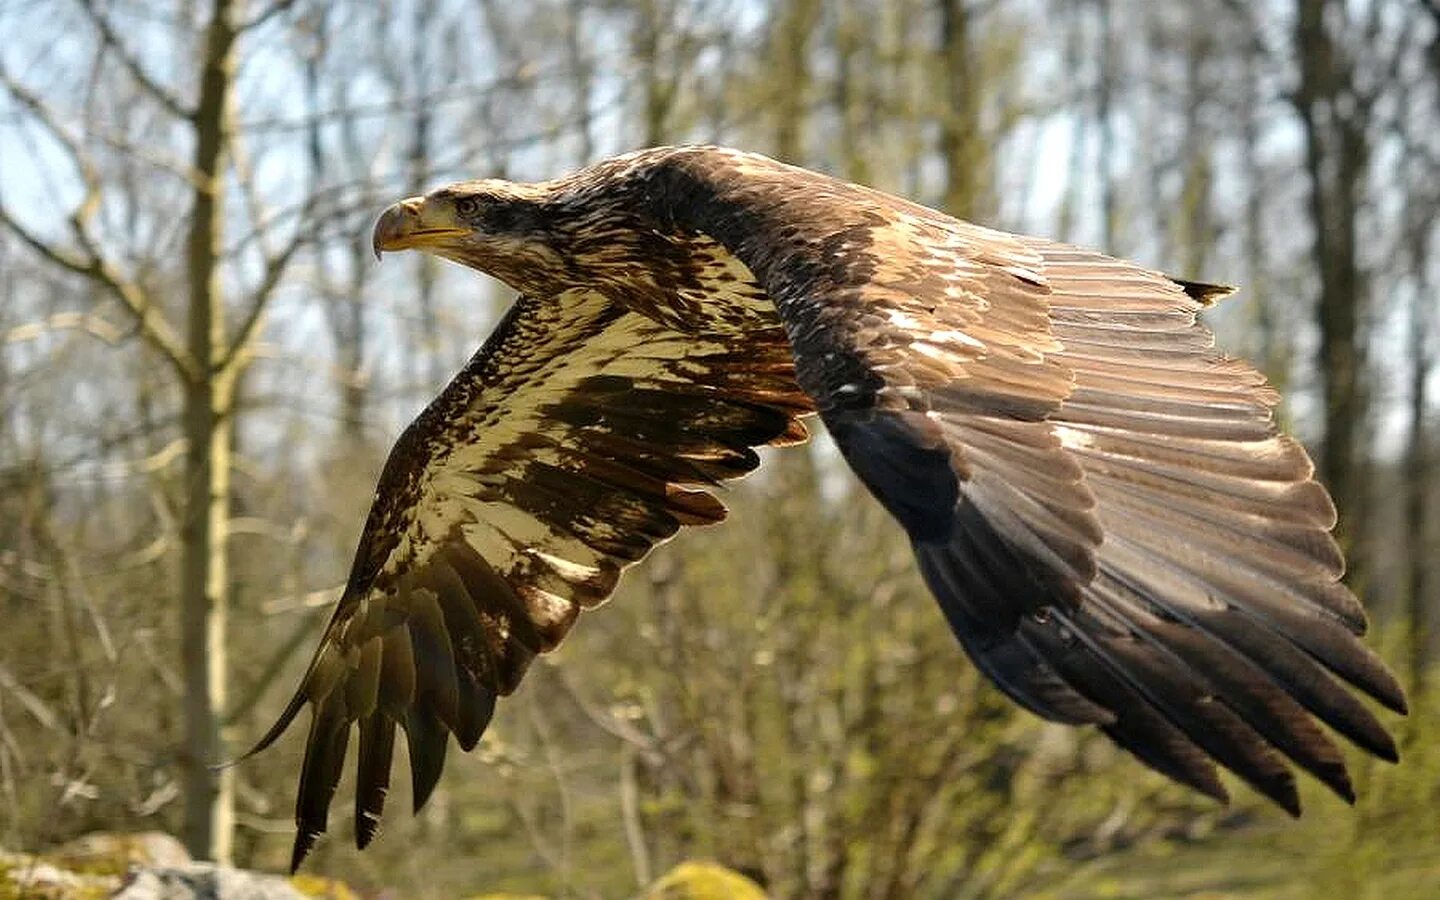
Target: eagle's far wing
x,y
577,438
1099,500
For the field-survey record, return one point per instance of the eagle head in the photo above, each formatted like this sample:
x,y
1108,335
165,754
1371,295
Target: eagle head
x,y
501,228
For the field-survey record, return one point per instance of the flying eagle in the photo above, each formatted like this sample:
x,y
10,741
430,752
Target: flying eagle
x,y
1098,499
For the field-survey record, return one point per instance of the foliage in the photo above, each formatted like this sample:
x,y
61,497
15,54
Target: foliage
x,y
778,694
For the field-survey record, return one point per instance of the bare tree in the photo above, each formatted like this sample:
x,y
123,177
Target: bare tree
x,y
793,27
962,143
206,358
1334,113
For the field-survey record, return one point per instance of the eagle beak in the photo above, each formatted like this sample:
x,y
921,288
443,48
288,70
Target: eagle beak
x,y
411,223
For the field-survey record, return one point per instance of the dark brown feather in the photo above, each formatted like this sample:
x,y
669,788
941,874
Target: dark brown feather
x,y
576,439
1101,466
372,775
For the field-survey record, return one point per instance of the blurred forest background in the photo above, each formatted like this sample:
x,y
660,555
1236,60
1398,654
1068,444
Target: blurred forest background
x,y
201,368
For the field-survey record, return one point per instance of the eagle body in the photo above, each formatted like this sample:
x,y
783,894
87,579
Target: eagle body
x,y
1098,499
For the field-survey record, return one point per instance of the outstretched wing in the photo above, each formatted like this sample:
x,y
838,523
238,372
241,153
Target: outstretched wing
x,y
576,439
1099,500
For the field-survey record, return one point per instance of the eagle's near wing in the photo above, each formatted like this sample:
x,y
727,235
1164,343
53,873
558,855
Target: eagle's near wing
x,y
1099,500
577,438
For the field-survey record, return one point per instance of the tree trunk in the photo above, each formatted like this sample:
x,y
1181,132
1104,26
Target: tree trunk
x,y
430,361
1195,223
1273,338
961,144
345,311
851,55
1104,101
1419,549
793,26
658,89
1332,115
209,795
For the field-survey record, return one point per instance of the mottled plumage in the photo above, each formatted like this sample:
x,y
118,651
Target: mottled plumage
x,y
1099,500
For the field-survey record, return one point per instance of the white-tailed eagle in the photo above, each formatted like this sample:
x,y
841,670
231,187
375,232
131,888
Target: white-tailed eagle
x,y
1099,500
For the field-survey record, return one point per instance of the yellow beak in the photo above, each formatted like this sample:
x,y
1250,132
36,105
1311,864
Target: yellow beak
x,y
413,223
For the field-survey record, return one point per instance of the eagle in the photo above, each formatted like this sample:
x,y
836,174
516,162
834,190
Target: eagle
x,y
1100,501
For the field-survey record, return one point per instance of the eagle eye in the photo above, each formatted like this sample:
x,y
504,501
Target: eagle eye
x,y
467,206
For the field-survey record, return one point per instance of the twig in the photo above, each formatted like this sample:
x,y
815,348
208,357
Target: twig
x,y
307,600
275,268
32,104
151,323
148,319
269,12
271,670
111,41
630,816
32,703
90,323
562,786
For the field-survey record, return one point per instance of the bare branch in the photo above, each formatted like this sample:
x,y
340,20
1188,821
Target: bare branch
x,y
522,77
324,597
148,319
55,255
269,12
630,817
149,156
79,158
89,323
274,667
93,265
32,104
254,203
28,699
275,268
163,95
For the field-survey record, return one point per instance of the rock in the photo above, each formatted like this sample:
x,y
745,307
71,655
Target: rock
x,y
146,866
36,878
205,881
119,851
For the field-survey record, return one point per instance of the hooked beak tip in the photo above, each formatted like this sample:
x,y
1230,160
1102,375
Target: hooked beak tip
x,y
394,225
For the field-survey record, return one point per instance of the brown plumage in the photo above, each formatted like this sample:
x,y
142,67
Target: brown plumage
x,y
1098,499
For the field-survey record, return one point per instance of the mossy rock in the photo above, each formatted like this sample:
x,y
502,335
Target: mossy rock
x,y
115,853
27,877
704,881
144,865
326,888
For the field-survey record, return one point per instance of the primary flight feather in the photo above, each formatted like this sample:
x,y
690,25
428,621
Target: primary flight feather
x,y
1099,500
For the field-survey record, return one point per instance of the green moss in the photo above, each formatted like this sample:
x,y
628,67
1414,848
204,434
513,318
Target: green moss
x,y
327,888
704,881
17,880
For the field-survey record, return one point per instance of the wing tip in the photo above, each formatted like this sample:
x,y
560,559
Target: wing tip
x,y
1393,696
1386,751
1208,784
1287,795
427,739
1204,293
305,840
1348,793
366,827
